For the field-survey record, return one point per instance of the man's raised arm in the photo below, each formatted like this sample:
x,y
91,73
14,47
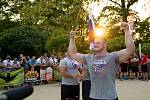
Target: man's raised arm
x,y
126,53
72,49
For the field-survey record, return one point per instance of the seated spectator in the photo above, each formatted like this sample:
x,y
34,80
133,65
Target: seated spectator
x,y
32,74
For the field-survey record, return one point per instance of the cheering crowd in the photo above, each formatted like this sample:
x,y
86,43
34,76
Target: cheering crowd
x,y
134,68
34,68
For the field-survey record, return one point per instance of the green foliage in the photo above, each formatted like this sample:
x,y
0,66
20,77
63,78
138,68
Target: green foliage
x,y
5,24
9,8
116,43
146,48
82,45
22,39
144,30
56,18
57,44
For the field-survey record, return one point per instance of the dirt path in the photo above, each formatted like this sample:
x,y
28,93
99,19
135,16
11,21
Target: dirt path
x,y
127,90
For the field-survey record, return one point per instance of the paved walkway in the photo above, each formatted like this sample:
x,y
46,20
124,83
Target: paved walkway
x,y
127,90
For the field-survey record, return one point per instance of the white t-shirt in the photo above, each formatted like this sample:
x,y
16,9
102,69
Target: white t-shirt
x,y
7,63
17,64
40,61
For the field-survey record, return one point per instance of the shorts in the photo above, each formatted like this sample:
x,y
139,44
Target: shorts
x,y
70,92
86,86
133,66
123,67
144,68
104,99
133,69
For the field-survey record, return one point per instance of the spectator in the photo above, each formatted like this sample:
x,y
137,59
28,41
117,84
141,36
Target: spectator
x,y
32,62
86,84
40,61
1,63
143,63
134,61
15,64
148,65
7,63
70,88
124,70
32,74
23,62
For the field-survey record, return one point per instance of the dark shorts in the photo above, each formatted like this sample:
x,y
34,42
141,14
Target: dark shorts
x,y
104,99
70,92
144,68
86,86
133,69
133,66
123,67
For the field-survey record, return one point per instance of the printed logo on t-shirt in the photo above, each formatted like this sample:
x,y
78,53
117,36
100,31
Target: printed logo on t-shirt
x,y
99,65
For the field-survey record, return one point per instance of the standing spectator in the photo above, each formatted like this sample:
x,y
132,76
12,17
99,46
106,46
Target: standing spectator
x,y
23,62
45,55
32,62
40,68
124,70
134,61
28,58
51,60
40,61
15,63
55,60
7,63
1,63
70,88
148,65
143,63
86,83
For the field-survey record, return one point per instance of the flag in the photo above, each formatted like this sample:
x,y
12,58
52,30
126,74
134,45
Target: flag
x,y
91,30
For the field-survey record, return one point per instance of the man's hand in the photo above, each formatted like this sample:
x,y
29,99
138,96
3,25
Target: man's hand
x,y
124,26
81,77
72,34
76,75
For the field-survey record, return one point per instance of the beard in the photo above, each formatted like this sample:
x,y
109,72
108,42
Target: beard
x,y
97,49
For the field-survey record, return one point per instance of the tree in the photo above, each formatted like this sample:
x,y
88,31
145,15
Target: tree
x,y
22,39
124,7
143,28
58,44
116,43
56,18
9,9
146,48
